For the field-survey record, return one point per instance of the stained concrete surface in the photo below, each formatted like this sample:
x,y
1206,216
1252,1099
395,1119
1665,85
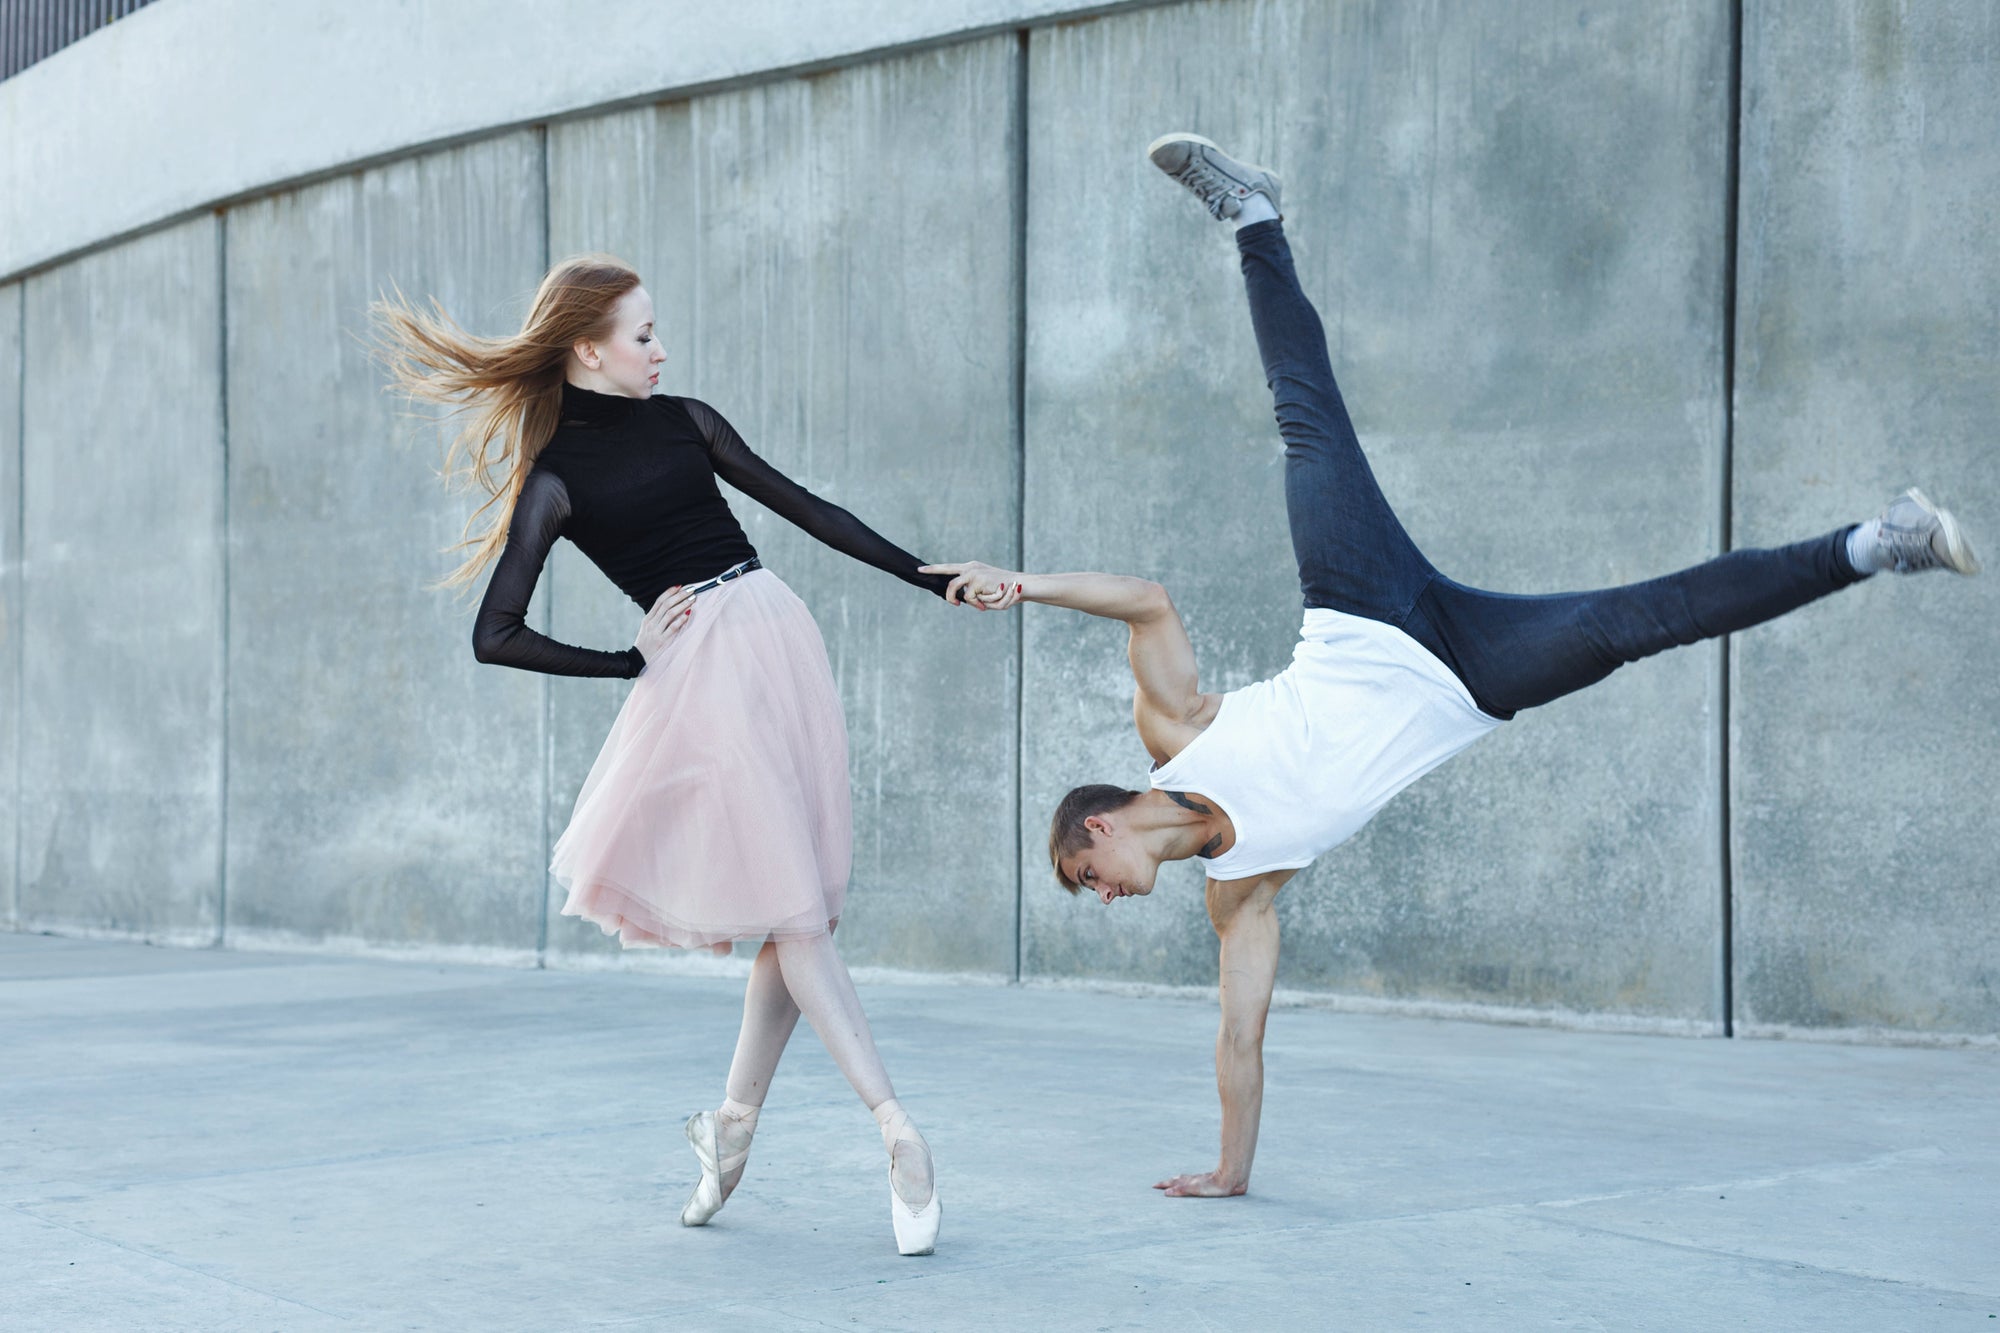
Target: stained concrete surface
x,y
1524,307
1867,732
383,785
121,625
219,1140
855,322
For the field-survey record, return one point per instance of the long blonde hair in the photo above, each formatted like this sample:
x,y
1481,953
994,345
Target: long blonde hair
x,y
505,393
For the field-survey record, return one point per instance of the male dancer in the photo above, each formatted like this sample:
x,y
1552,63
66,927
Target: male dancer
x,y
1397,668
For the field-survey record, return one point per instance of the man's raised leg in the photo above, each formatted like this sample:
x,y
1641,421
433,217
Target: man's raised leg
x,y
1521,652
1352,553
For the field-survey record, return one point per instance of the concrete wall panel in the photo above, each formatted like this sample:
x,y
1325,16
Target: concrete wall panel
x,y
1867,731
606,194
833,260
383,786
1524,301
121,756
10,588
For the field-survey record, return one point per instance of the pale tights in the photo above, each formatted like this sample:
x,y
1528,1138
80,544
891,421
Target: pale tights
x,y
790,977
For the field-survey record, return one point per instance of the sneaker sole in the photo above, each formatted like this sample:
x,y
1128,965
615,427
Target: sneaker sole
x,y
1182,137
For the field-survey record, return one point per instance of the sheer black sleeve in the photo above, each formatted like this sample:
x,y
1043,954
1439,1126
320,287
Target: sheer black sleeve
x,y
500,633
736,464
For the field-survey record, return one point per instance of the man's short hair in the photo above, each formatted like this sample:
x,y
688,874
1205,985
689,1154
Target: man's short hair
x,y
1067,835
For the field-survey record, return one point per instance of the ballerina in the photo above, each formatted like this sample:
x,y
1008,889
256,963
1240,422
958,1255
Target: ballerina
x,y
718,807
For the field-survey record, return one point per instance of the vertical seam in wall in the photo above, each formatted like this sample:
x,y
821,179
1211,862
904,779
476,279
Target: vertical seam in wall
x,y
1726,517
1020,339
223,552
548,737
19,602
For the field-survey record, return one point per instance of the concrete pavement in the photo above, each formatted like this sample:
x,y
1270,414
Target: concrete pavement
x,y
219,1140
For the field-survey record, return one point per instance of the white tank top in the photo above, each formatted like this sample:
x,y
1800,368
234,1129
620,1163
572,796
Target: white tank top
x,y
1301,761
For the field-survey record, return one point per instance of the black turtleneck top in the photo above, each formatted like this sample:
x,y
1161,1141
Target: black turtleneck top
x,y
631,482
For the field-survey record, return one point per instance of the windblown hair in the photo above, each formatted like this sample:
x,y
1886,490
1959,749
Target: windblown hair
x,y
1068,836
505,393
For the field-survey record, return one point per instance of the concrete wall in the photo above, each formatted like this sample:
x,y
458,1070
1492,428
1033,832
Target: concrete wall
x,y
940,285
122,504
1866,741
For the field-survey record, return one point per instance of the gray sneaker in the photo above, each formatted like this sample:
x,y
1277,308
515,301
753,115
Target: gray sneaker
x,y
1217,179
1917,535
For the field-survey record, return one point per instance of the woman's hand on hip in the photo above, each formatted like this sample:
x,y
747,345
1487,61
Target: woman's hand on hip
x,y
669,616
976,585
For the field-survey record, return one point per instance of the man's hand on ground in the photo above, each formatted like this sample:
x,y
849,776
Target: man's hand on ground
x,y
1207,1185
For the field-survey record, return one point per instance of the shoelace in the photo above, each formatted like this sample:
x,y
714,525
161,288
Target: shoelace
x,y
1213,187
1910,547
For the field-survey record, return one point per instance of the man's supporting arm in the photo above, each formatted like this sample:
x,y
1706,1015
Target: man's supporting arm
x,y
1246,921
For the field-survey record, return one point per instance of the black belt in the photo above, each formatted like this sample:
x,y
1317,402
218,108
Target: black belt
x,y
733,572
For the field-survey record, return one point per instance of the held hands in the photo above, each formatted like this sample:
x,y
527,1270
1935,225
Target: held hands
x,y
669,616
1207,1185
979,586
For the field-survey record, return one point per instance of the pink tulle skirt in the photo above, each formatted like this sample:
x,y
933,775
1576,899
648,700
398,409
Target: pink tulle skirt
x,y
718,808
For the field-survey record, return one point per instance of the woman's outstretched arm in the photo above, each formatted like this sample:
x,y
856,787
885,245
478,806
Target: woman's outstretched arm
x,y
500,633
736,464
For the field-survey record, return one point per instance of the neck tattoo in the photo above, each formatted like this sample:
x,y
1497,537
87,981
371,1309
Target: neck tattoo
x,y
1181,799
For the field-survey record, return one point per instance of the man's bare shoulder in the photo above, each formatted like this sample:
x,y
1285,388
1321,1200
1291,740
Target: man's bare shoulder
x,y
1227,897
1164,735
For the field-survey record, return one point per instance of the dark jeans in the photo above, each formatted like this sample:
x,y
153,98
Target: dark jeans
x,y
1512,652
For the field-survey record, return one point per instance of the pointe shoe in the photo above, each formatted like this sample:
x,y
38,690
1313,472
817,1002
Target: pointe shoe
x,y
916,1228
707,1199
